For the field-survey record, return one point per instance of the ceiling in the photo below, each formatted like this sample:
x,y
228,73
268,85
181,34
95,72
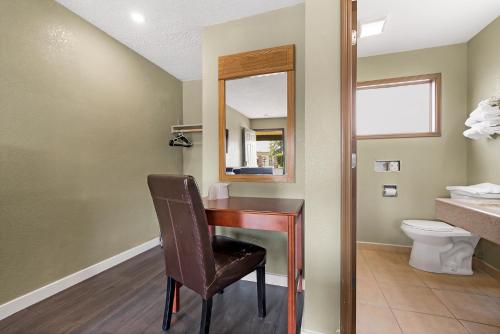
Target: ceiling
x,y
171,33
418,24
261,96
170,36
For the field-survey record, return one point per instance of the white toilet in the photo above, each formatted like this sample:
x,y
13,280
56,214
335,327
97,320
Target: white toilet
x,y
439,247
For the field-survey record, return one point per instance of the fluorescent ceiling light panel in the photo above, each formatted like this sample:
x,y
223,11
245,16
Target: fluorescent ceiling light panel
x,y
137,17
372,28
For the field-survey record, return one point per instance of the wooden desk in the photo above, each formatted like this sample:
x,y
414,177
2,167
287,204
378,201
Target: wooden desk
x,y
267,214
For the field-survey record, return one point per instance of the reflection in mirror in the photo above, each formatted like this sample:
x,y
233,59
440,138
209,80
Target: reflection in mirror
x,y
256,123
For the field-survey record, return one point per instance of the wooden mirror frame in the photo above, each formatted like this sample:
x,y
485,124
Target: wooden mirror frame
x,y
265,61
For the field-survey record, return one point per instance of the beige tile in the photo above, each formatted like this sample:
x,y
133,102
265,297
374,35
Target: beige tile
x,y
368,292
412,298
391,268
475,308
449,282
478,283
362,270
418,323
397,276
375,259
372,319
487,285
475,328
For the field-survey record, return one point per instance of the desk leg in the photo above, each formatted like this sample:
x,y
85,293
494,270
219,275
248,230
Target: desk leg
x,y
300,252
177,298
292,284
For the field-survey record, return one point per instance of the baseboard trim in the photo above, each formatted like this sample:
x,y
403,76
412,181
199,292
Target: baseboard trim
x,y
51,289
486,267
272,279
363,245
308,331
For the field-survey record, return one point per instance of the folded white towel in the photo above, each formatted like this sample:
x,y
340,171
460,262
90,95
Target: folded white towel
x,y
478,189
482,190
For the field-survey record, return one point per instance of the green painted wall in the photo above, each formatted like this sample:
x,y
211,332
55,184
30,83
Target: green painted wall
x,y
285,26
484,81
83,120
322,126
235,122
428,165
191,114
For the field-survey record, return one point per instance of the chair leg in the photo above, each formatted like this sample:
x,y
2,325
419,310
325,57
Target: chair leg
x,y
206,314
261,290
169,303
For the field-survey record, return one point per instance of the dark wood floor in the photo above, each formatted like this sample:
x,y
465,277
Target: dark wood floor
x,y
129,298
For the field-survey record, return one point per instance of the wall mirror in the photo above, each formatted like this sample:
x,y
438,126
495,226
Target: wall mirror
x,y
257,115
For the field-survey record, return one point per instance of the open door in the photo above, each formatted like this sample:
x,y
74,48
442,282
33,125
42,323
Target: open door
x,y
250,144
349,162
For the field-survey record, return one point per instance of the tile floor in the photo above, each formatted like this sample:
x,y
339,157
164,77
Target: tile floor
x,y
393,297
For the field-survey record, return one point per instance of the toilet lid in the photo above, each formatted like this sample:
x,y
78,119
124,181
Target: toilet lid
x,y
429,225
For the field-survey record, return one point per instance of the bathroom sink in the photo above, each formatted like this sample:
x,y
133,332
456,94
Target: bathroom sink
x,y
491,205
478,216
494,207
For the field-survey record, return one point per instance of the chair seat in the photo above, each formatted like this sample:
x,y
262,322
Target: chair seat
x,y
234,259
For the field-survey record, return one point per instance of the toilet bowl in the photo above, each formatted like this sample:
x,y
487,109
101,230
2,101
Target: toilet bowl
x,y
439,247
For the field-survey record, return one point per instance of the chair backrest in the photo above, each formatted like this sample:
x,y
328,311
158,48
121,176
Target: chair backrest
x,y
187,246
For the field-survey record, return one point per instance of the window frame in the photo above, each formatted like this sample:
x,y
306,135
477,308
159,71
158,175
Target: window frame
x,y
434,79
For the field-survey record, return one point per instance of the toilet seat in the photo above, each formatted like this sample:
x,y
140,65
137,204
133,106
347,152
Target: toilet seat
x,y
433,227
429,225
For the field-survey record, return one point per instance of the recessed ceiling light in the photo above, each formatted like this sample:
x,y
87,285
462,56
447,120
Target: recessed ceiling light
x,y
372,28
137,17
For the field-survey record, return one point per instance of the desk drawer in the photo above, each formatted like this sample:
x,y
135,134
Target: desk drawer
x,y
256,221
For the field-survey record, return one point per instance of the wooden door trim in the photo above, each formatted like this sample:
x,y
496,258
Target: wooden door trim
x,y
348,174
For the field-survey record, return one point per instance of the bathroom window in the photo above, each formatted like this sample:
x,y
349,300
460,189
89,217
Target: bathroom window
x,y
399,107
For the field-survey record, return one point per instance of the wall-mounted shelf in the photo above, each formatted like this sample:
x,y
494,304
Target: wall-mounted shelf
x,y
187,128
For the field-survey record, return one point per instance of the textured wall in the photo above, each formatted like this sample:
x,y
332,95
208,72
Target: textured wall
x,y
285,26
83,120
484,81
191,114
235,122
428,164
322,126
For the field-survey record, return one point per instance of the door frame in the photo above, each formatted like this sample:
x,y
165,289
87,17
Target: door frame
x,y
348,14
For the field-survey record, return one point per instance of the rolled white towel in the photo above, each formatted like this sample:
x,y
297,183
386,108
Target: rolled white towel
x,y
492,101
493,121
482,113
475,134
481,130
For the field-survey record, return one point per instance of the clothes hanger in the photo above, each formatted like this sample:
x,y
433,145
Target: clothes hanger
x,y
180,140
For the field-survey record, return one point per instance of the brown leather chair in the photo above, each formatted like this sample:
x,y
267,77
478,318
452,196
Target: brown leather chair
x,y
205,265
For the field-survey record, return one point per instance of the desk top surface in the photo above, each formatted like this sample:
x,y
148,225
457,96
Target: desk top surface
x,y
279,206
